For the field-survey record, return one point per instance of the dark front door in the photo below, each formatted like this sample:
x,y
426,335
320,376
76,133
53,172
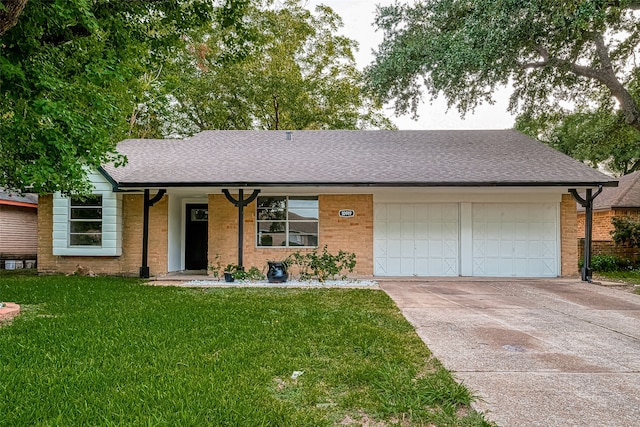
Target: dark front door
x,y
196,237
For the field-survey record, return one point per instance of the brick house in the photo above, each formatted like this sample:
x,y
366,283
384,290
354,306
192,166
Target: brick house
x,y
407,203
621,201
18,227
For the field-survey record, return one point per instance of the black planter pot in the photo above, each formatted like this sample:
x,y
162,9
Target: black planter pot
x,y
228,277
277,272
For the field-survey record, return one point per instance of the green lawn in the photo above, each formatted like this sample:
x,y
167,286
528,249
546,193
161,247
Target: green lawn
x,y
626,276
111,351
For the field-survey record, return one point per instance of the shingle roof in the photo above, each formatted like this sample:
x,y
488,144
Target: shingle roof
x,y
378,158
9,197
626,195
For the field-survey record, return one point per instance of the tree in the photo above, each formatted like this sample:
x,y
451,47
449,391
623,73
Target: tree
x,y
552,52
294,73
599,137
71,72
10,11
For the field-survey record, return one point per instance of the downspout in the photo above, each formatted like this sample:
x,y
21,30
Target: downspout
x,y
587,204
144,269
240,204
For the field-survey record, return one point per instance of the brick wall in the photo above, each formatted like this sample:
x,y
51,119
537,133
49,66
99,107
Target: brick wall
x,y
607,247
129,263
349,234
601,225
568,236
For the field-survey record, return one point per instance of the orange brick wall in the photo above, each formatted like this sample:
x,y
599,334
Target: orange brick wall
x,y
568,237
349,234
129,263
601,226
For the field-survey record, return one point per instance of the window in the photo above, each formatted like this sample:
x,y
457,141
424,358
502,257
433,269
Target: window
x,y
85,221
287,221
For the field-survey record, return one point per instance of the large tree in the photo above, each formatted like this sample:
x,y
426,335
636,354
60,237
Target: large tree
x,y
71,72
555,54
295,72
596,136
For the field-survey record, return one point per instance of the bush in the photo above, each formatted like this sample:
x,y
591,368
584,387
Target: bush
x,y
626,231
323,266
604,263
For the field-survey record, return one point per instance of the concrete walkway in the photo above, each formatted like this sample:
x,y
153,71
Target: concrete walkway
x,y
537,352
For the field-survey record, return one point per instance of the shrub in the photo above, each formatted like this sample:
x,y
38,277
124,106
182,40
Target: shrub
x,y
604,263
626,231
323,266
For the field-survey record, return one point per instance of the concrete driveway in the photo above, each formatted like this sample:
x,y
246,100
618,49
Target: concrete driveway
x,y
536,352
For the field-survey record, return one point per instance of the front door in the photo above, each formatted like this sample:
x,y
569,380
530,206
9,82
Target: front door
x,y
196,237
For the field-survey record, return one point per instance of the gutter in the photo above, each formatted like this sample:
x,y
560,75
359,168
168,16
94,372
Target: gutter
x,y
159,184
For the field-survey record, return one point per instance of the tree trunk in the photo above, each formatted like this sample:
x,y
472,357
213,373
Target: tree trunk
x,y
9,16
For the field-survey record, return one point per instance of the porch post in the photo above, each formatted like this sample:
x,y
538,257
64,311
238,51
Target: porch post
x,y
144,269
240,204
587,203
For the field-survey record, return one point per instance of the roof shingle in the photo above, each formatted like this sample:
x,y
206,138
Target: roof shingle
x,y
392,158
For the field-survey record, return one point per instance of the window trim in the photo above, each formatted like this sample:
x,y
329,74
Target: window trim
x,y
72,220
111,227
286,222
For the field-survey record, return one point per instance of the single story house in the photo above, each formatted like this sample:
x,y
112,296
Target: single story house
x,y
621,201
407,203
18,229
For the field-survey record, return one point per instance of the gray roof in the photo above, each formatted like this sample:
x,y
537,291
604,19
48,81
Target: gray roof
x,y
340,157
10,196
626,195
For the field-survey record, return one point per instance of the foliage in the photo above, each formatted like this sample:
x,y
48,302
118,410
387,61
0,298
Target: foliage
x,y
71,76
78,76
216,267
625,276
113,351
324,266
295,73
607,263
554,53
598,137
239,273
626,231
254,274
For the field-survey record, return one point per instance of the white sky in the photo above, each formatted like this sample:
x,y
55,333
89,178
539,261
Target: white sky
x,y
358,17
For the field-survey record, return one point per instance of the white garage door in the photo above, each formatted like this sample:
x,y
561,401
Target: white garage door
x,y
416,239
519,240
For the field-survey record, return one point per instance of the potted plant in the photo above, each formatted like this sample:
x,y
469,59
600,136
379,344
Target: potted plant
x,y
233,272
277,271
230,272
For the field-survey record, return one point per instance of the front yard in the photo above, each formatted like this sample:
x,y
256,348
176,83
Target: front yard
x,y
112,351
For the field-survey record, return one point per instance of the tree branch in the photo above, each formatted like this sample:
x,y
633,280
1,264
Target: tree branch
x,y
10,14
604,75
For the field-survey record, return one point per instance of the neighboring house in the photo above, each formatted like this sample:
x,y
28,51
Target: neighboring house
x,y
621,201
407,203
18,227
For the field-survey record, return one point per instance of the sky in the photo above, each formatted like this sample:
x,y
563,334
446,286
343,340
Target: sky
x,y
358,17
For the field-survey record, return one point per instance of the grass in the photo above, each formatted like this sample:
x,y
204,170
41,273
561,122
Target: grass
x,y
112,351
627,276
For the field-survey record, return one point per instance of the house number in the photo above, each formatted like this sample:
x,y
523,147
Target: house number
x,y
346,213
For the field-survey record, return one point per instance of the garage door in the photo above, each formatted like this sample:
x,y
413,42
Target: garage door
x,y
519,240
418,239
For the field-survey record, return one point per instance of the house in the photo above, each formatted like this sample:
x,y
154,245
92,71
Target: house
x,y
621,201
18,229
407,203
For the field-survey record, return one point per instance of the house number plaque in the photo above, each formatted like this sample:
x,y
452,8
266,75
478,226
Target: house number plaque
x,y
346,213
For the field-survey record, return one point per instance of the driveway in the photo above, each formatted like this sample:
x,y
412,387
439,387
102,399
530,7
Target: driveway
x,y
537,352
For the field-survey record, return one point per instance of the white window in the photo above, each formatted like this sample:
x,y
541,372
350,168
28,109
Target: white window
x,y
87,227
85,221
285,221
